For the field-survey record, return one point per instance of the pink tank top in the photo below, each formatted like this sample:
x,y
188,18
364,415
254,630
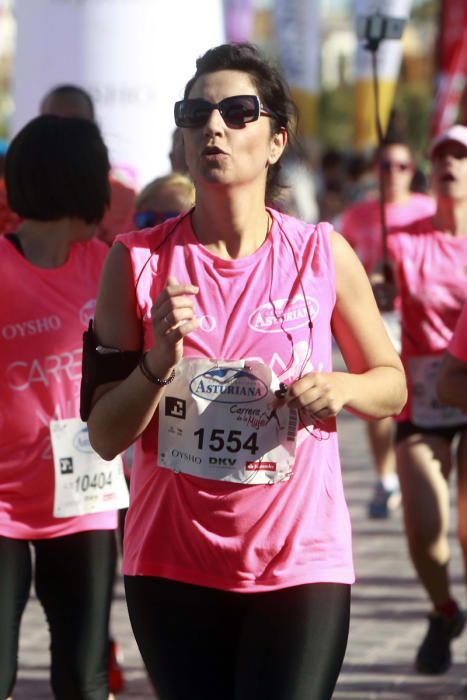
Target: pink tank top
x,y
42,318
361,224
234,536
431,269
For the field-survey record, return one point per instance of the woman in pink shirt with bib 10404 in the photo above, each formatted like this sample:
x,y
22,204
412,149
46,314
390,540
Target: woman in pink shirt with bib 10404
x,y
50,479
237,541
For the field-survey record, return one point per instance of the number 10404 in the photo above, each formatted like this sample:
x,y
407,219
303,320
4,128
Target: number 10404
x,y
96,481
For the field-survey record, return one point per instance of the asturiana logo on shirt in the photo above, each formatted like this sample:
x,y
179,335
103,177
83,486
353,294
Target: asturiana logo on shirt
x,y
228,385
283,314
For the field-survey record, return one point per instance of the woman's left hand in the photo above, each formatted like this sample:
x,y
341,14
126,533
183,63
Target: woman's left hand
x,y
317,394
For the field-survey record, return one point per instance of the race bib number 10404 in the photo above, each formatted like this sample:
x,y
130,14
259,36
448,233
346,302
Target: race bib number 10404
x,y
84,482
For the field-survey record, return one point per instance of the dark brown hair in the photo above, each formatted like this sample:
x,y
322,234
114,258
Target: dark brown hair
x,y
58,167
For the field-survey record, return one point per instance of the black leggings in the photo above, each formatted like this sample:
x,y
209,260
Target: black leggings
x,y
206,644
73,578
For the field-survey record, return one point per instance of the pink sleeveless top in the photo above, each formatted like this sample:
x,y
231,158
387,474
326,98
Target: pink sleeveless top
x,y
361,224
42,318
234,536
431,268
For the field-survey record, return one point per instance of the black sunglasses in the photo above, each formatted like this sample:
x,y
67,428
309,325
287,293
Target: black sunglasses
x,y
388,165
236,111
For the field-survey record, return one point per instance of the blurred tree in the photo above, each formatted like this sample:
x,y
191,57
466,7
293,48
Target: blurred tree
x,y
335,120
425,11
414,101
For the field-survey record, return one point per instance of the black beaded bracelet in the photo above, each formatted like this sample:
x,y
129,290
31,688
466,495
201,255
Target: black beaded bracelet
x,y
152,377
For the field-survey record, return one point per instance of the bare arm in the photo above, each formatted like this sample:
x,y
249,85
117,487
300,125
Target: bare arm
x,y
122,410
374,386
452,382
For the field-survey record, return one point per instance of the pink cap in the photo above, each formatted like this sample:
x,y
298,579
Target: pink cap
x,y
456,133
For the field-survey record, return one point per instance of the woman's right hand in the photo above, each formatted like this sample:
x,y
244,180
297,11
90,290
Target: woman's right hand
x,y
173,318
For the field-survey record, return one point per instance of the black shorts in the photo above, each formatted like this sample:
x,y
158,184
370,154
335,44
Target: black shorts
x,y
406,428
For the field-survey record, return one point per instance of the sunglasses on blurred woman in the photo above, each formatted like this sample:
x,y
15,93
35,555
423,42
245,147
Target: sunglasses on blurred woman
x,y
147,219
397,166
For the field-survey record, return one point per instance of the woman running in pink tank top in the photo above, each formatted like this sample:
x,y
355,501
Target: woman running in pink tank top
x,y
237,553
430,261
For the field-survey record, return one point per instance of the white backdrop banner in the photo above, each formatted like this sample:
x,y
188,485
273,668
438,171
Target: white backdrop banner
x,y
133,56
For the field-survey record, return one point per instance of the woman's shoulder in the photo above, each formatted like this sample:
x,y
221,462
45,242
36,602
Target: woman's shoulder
x,y
94,251
96,245
416,238
299,228
140,238
152,238
424,201
360,210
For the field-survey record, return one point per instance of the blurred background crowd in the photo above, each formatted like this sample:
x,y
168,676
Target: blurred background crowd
x,y
421,81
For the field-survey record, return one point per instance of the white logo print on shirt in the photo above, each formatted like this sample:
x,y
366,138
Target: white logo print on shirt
x,y
35,326
283,315
64,367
